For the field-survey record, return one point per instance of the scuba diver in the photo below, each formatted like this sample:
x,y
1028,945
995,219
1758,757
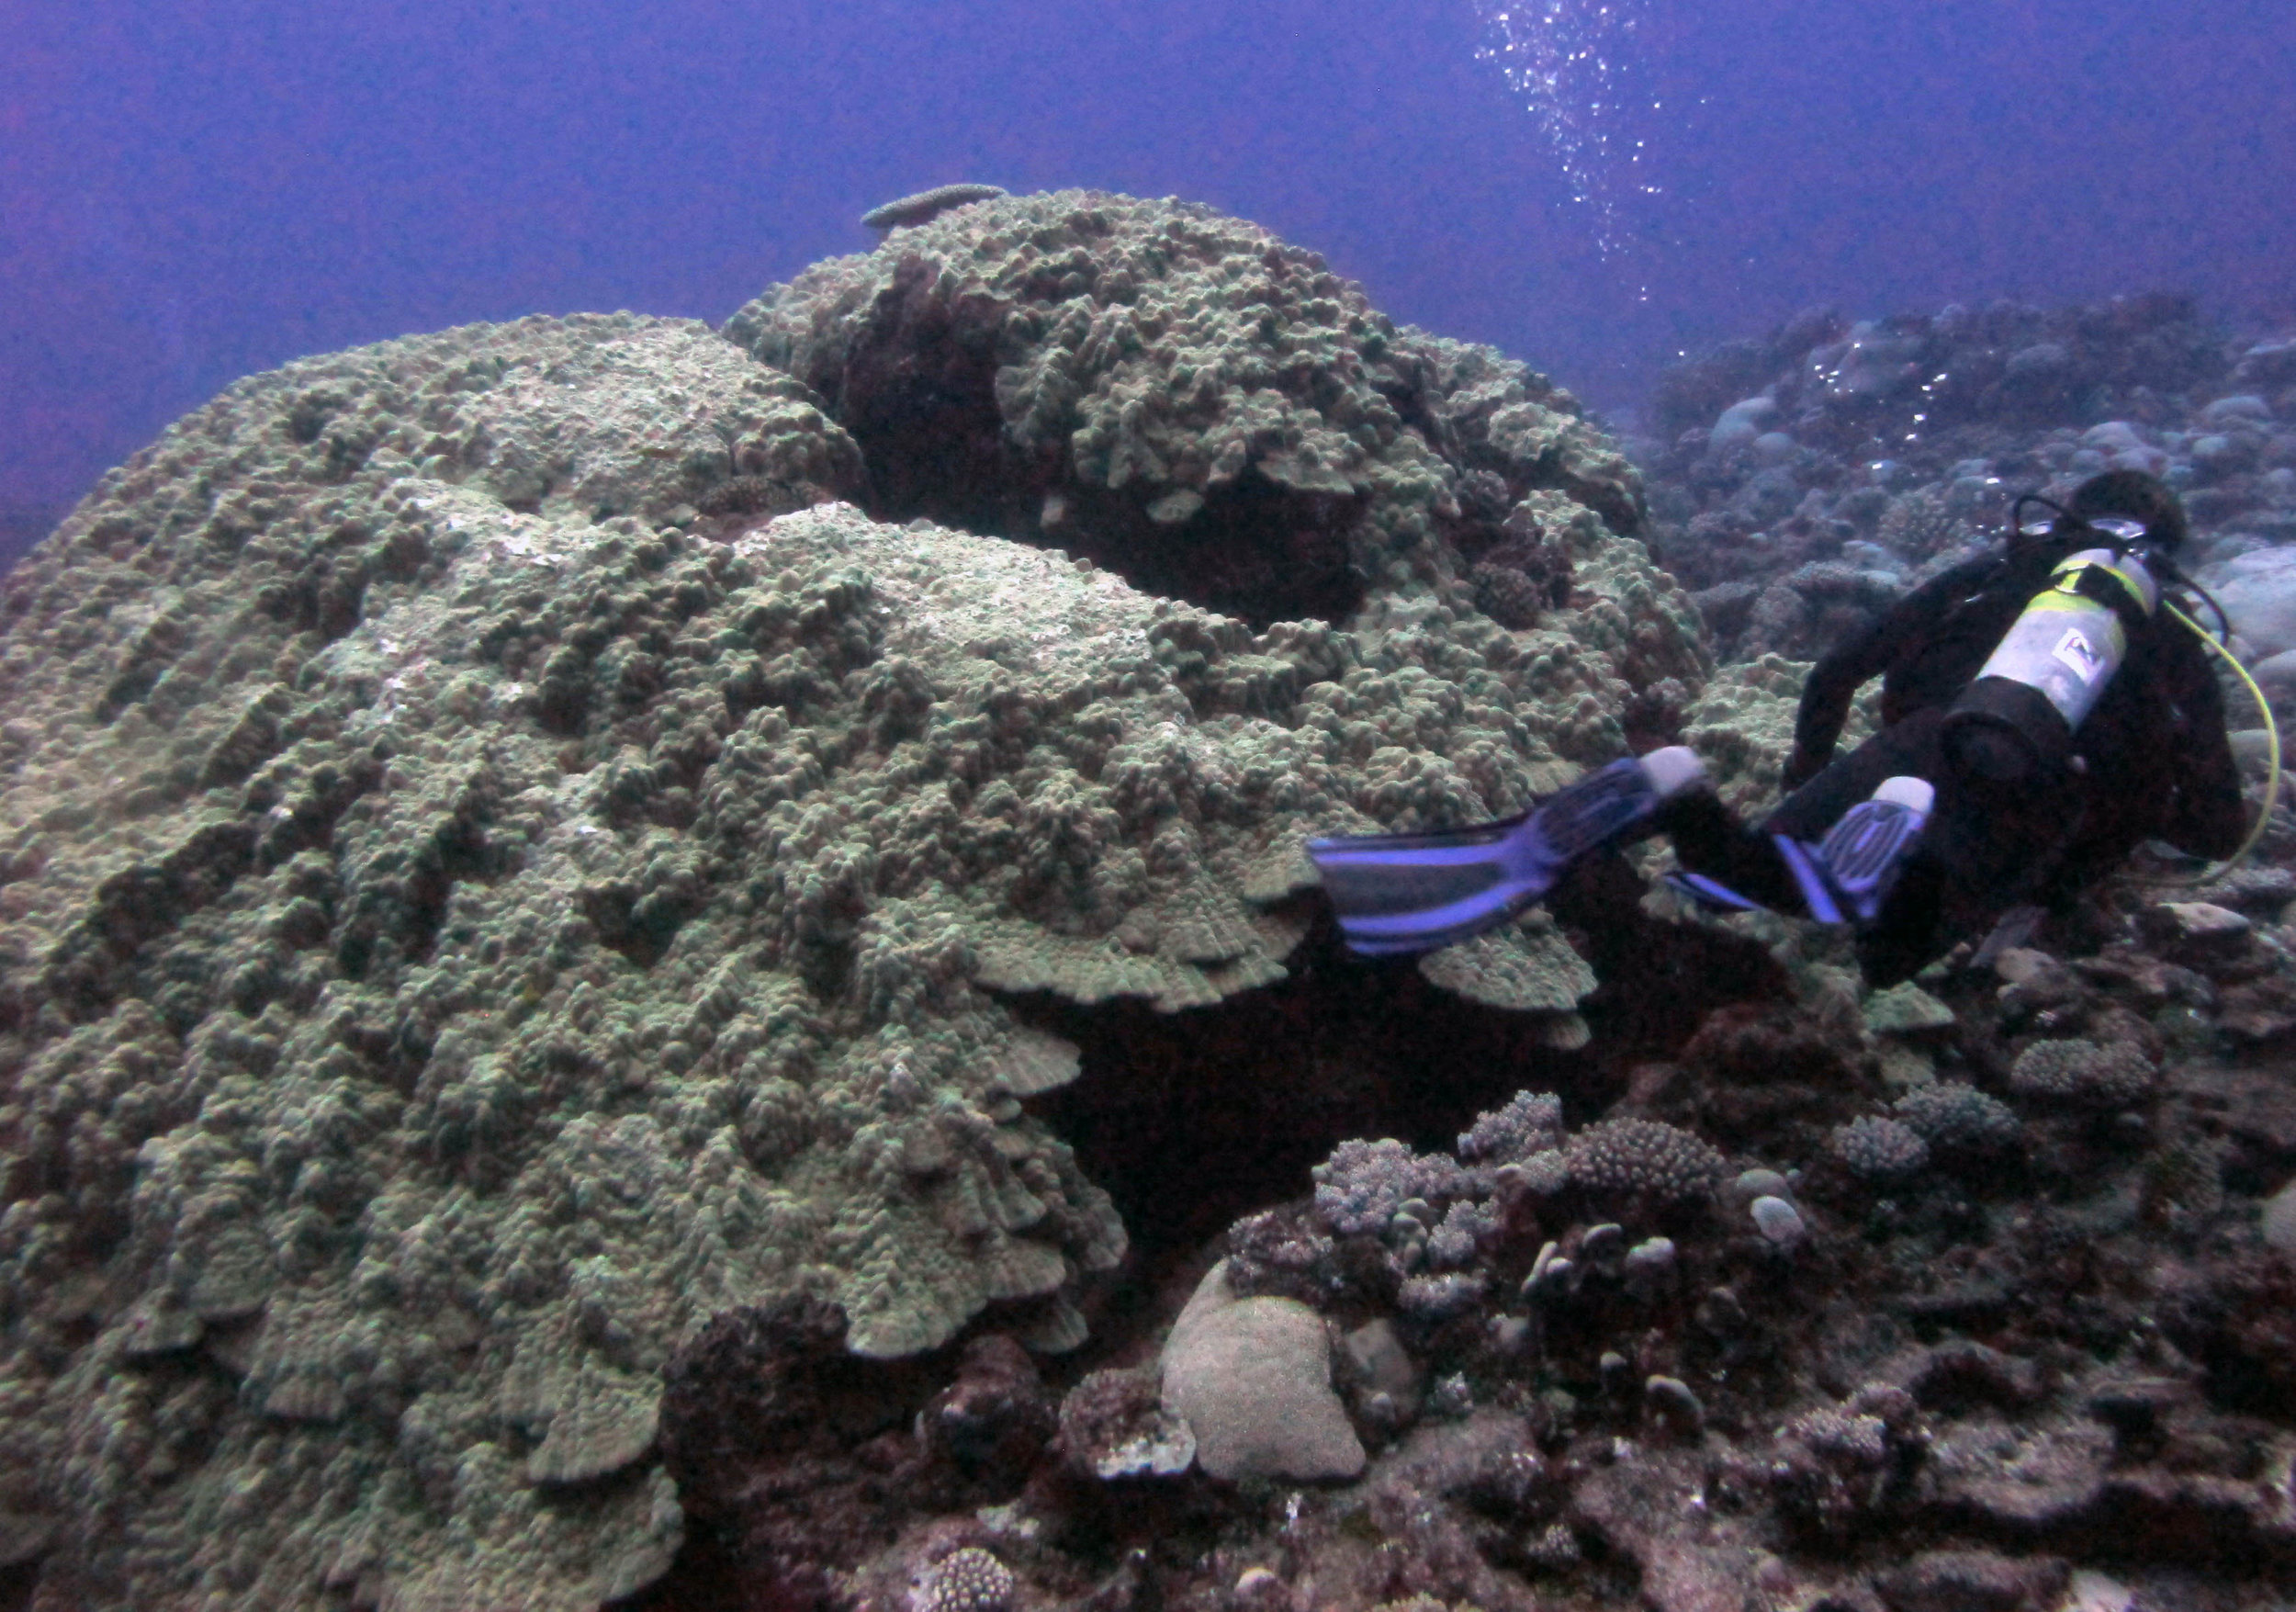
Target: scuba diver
x,y
2040,715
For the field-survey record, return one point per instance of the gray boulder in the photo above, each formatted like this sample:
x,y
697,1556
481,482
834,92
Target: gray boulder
x,y
1253,1377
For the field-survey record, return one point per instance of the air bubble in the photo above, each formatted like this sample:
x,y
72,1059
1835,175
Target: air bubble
x,y
1568,63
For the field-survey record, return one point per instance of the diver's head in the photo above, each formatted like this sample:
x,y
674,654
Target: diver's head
x,y
2132,495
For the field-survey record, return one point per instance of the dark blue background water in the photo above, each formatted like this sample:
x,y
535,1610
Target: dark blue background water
x,y
194,189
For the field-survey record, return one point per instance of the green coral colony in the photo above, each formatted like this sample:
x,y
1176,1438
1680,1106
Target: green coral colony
x,y
501,857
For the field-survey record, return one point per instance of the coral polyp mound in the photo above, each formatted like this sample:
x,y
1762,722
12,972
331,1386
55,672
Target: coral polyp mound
x,y
502,859
1642,1161
1189,398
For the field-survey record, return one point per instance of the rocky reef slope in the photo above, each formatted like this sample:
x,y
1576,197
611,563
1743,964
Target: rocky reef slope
x,y
1803,481
672,967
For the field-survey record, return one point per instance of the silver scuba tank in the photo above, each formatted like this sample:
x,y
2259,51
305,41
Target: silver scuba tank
x,y
2045,675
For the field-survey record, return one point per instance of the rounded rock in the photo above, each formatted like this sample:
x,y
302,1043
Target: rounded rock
x,y
1252,1377
1759,1183
2279,1220
1649,1266
1778,1221
1675,1405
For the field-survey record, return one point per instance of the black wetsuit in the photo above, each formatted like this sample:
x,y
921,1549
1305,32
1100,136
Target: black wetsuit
x,y
2153,762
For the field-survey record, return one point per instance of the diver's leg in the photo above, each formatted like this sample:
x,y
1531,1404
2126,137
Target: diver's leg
x,y
1904,749
1776,865
1979,849
1726,862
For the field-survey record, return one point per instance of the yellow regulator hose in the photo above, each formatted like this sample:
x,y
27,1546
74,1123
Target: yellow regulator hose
x,y
2272,746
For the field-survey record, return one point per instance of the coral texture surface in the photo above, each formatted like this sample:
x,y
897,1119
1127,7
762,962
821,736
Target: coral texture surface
x,y
502,860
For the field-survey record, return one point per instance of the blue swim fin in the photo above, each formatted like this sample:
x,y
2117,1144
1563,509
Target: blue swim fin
x,y
1398,893
1710,893
1864,853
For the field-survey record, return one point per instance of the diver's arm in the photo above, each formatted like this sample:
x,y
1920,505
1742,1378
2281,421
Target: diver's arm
x,y
1834,682
2209,817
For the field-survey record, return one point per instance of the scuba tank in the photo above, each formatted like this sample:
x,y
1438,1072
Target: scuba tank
x,y
2019,718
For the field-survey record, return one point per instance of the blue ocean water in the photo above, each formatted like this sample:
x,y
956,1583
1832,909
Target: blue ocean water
x,y
191,191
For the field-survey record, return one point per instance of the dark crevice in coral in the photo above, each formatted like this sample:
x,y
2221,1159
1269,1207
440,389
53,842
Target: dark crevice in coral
x,y
562,699
147,660
1194,1120
404,897
1619,506
1254,550
1517,570
918,393
789,1455
640,927
454,851
308,820
1661,980
796,1463
2242,1329
326,598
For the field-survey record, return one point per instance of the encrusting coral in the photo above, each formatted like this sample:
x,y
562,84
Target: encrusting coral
x,y
498,865
2082,1073
1642,1162
966,1580
1878,1149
